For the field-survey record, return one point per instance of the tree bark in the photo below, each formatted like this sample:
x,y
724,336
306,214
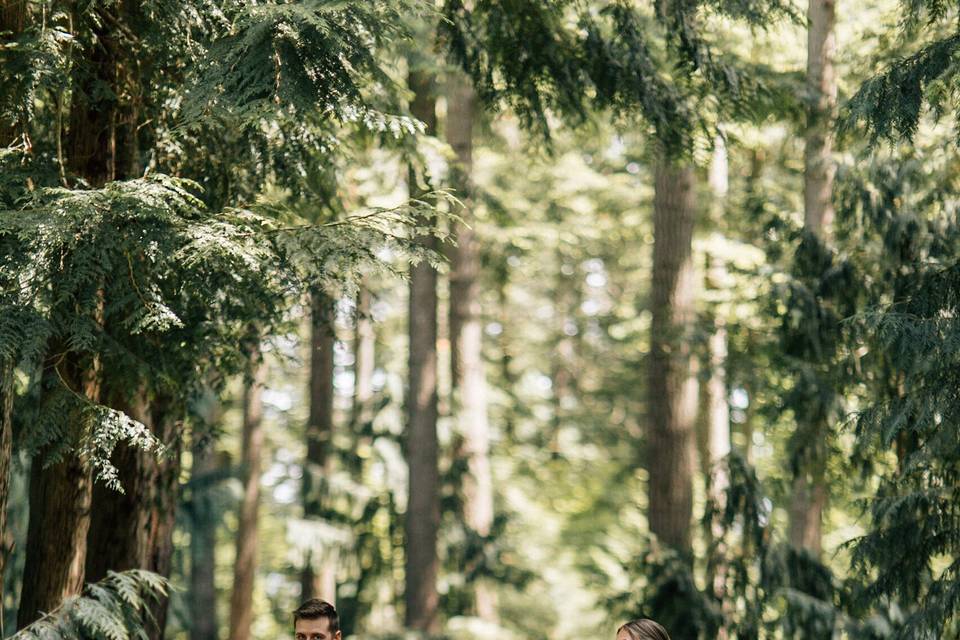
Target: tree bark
x,y
318,579
466,336
60,497
673,391
809,491
13,14
819,168
6,455
364,362
134,529
465,258
203,538
715,410
103,140
245,565
422,520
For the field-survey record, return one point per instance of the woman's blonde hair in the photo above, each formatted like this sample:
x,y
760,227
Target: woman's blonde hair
x,y
644,629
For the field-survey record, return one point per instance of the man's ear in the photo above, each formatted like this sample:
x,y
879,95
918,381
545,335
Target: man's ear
x,y
337,635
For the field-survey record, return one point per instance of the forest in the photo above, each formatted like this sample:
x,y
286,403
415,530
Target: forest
x,y
480,319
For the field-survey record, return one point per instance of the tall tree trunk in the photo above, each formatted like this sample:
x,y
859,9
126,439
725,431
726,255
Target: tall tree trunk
x,y
6,455
422,521
245,565
13,17
465,258
103,140
819,168
318,579
809,492
364,351
60,496
134,529
672,389
466,337
203,535
13,14
101,147
715,418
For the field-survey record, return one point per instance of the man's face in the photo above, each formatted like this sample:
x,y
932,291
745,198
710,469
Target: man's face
x,y
318,629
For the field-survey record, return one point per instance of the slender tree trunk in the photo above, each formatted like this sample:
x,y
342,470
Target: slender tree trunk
x,y
422,521
673,391
203,537
364,362
819,168
715,410
466,337
809,492
465,258
245,565
6,455
714,400
318,579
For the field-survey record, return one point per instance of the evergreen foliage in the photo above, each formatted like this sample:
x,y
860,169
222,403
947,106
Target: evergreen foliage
x,y
528,56
116,274
890,105
909,554
116,608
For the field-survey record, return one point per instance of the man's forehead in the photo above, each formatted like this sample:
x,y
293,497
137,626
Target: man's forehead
x,y
316,625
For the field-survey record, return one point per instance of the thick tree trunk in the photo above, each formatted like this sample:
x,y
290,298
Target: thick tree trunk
x,y
364,351
103,140
13,14
59,494
203,539
13,17
672,389
809,493
318,579
134,529
422,520
245,565
60,497
100,146
466,336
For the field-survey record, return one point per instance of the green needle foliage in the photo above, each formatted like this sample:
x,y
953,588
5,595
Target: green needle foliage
x,y
567,58
116,275
113,609
317,58
889,105
909,429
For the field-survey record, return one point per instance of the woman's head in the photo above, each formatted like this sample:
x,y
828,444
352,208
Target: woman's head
x,y
642,629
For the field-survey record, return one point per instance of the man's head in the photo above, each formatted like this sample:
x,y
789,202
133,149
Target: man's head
x,y
642,629
316,620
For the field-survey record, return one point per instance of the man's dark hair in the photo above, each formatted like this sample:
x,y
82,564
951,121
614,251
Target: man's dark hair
x,y
314,609
644,629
